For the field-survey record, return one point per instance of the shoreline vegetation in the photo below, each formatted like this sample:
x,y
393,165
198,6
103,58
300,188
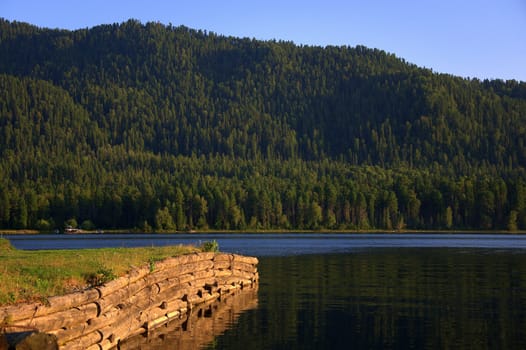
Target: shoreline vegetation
x,y
265,231
27,276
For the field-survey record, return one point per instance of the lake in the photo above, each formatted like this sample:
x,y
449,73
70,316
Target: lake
x,y
373,291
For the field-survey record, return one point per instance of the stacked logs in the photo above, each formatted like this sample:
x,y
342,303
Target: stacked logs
x,y
144,299
199,327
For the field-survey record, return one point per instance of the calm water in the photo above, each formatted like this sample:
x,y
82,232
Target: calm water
x,y
273,244
364,291
402,298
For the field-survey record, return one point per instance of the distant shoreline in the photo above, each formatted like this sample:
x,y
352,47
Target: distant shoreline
x,y
248,231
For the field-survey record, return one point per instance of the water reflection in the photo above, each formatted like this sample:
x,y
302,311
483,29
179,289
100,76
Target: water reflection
x,y
387,299
200,326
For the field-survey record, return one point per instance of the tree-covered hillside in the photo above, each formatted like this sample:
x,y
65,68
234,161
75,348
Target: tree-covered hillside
x,y
146,125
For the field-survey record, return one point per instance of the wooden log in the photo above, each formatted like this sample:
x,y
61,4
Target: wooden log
x,y
118,314
137,273
246,282
177,292
158,276
147,294
64,319
200,283
223,257
207,255
106,332
147,297
186,278
103,324
168,283
105,319
211,286
168,290
176,271
178,313
245,259
175,283
109,301
174,314
76,299
125,292
211,296
119,283
20,312
151,314
66,335
82,342
14,313
200,256
169,263
176,303
239,265
222,273
193,300
193,267
157,322
226,264
123,330
226,280
120,330
224,288
94,347
184,260
106,344
242,274
203,274
234,280
138,331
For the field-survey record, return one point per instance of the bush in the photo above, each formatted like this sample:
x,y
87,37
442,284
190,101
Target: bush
x,y
87,225
44,225
71,222
103,275
210,246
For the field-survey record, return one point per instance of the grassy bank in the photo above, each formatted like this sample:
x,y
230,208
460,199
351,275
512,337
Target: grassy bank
x,y
35,275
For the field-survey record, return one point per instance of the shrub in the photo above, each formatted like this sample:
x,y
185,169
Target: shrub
x,y
100,277
71,222
87,225
44,225
210,246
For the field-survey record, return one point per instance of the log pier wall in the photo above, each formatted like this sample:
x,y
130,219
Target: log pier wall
x,y
144,299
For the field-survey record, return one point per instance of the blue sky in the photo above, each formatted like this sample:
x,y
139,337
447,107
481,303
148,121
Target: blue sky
x,y
469,38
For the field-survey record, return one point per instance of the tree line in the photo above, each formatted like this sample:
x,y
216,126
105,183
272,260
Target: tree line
x,y
149,126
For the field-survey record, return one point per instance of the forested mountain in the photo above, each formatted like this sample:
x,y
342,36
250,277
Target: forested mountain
x,y
145,125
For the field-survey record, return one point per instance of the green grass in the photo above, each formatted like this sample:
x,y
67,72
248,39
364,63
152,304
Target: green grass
x,y
35,275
